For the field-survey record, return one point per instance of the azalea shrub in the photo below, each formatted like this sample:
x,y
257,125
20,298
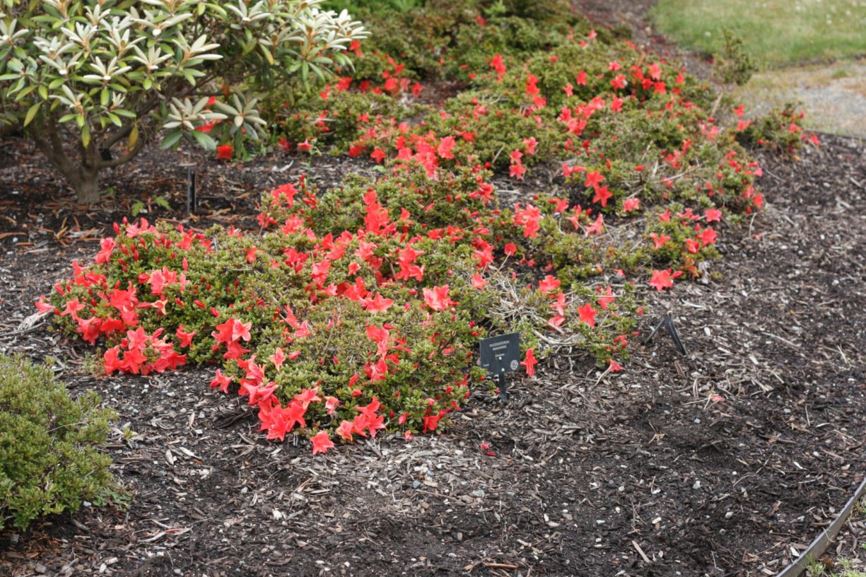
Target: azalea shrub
x,y
359,308
780,129
51,446
355,308
410,46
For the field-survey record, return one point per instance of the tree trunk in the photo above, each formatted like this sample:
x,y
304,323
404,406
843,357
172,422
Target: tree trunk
x,y
86,185
81,173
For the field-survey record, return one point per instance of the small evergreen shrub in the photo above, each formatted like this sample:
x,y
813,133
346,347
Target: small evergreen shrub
x,y
780,129
50,461
733,64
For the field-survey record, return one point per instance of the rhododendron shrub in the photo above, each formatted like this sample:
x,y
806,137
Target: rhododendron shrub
x,y
93,81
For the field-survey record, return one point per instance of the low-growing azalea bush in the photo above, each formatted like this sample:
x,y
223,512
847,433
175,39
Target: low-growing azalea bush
x,y
359,308
354,308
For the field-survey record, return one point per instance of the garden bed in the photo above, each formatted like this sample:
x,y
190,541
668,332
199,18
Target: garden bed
x,y
724,462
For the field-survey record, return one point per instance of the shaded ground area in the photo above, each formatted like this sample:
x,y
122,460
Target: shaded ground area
x,y
31,209
725,462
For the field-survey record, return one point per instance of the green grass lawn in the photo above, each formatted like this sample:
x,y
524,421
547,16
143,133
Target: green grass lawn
x,y
774,32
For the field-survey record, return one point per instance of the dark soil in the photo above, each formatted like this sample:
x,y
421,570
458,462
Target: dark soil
x,y
724,462
31,209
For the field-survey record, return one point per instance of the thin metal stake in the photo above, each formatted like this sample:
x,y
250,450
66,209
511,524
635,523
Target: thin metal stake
x,y
191,203
503,387
674,334
667,323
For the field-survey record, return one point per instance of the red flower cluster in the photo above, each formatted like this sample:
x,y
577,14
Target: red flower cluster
x,y
140,353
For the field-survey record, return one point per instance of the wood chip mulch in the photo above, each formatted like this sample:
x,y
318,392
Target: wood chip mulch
x,y
727,461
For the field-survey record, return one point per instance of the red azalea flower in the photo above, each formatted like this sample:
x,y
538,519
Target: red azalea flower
x,y
587,314
446,147
631,204
184,338
437,298
529,362
498,66
663,279
548,284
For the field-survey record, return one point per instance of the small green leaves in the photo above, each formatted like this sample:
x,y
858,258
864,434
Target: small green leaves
x,y
52,451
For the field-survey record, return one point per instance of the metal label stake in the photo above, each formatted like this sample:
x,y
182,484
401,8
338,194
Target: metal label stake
x,y
667,323
500,355
190,191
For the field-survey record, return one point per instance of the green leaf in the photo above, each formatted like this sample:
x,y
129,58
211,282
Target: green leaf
x,y
268,56
31,113
215,7
171,140
133,137
204,140
162,202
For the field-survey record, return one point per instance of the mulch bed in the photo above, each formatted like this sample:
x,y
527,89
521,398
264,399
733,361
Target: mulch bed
x,y
727,461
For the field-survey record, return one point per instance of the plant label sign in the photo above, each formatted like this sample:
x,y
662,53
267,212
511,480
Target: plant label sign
x,y
500,354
